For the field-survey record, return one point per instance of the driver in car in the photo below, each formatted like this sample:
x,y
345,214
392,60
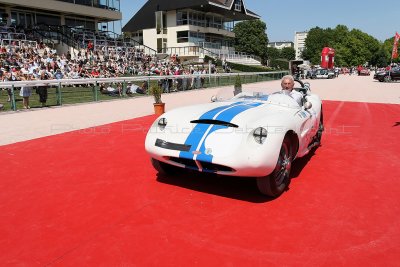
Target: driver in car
x,y
287,84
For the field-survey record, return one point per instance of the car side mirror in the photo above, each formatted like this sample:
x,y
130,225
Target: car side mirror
x,y
307,105
214,98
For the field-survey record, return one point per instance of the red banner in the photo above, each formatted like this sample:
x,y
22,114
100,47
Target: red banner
x,y
396,41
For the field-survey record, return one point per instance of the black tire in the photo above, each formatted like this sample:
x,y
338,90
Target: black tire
x,y
274,184
162,167
321,128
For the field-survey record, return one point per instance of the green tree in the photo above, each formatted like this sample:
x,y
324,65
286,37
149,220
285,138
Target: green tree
x,y
388,48
273,53
251,38
317,39
288,53
352,48
380,58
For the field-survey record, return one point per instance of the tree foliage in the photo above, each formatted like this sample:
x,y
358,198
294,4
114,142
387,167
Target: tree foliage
x,y
251,38
288,53
352,48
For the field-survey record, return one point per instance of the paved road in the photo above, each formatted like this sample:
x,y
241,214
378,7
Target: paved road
x,y
25,125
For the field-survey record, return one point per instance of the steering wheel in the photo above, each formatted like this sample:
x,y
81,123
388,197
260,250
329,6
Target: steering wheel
x,y
302,89
300,82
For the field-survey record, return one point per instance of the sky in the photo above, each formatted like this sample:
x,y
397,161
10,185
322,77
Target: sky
x,y
380,19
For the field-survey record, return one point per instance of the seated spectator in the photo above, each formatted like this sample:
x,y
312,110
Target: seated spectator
x,y
109,90
58,75
132,88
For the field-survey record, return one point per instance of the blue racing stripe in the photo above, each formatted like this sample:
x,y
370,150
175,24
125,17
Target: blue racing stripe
x,y
227,113
199,130
227,116
209,115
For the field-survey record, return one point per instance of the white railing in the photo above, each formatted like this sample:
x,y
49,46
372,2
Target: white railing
x,y
55,82
18,43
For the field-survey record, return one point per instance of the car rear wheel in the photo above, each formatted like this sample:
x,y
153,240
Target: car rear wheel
x,y
274,184
162,167
387,78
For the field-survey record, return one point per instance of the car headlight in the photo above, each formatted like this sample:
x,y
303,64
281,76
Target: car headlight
x,y
162,123
260,134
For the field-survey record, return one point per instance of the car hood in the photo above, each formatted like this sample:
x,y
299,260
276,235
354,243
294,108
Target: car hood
x,y
236,113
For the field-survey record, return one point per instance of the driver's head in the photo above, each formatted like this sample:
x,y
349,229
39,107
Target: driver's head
x,y
287,82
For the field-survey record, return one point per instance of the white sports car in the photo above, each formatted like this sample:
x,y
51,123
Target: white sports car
x,y
252,134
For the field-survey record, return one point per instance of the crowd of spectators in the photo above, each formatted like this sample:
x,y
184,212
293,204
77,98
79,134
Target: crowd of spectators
x,y
35,60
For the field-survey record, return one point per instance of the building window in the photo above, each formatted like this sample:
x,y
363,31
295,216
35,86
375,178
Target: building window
x,y
238,5
3,17
190,37
197,37
202,20
182,36
161,22
197,19
48,19
181,18
82,24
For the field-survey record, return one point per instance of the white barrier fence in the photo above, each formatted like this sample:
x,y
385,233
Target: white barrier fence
x,y
95,89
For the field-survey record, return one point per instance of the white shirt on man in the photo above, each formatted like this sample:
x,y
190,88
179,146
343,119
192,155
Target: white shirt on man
x,y
295,95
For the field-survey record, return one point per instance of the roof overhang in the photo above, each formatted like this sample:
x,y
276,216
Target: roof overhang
x,y
144,18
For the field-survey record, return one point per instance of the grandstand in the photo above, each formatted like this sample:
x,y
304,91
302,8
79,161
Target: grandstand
x,y
75,39
86,29
192,29
67,26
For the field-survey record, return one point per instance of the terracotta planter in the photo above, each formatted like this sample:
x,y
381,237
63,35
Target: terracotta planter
x,y
159,108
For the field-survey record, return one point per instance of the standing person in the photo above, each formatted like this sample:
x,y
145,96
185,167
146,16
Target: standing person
x,y
287,84
11,75
26,91
42,90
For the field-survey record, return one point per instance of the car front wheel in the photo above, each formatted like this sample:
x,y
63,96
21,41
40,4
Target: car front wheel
x,y
274,184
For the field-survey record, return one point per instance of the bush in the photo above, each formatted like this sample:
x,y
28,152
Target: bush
x,y
156,91
247,68
281,64
238,85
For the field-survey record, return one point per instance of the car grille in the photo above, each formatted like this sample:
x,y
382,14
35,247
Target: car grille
x,y
206,166
171,146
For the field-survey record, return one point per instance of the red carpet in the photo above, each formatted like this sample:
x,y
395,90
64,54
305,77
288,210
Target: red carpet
x,y
91,198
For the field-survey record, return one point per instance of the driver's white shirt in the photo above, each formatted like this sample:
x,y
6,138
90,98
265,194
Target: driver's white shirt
x,y
295,95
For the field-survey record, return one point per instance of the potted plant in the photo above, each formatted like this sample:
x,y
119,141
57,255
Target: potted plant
x,y
159,106
238,85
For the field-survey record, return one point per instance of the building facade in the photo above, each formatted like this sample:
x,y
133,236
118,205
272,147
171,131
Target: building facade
x,y
299,43
281,45
86,14
166,25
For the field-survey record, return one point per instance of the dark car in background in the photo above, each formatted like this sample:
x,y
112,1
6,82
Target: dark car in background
x,y
387,76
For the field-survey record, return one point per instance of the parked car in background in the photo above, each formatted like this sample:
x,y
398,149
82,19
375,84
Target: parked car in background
x,y
323,74
310,73
388,75
364,72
